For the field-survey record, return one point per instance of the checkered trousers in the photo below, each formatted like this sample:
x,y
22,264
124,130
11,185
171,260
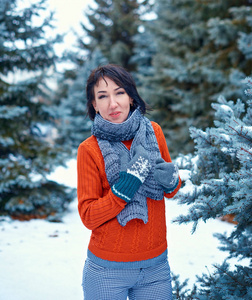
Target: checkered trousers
x,y
152,283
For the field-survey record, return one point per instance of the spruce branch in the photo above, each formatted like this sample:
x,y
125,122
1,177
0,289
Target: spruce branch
x,y
223,271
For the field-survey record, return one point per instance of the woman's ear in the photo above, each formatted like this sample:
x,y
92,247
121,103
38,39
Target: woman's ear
x,y
94,105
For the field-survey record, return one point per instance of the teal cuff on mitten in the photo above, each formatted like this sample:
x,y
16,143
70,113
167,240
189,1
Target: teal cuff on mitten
x,y
127,186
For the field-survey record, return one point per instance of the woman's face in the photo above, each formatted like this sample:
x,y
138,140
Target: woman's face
x,y
111,101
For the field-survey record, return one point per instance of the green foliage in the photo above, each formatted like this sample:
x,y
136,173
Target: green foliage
x,y
112,26
203,48
28,152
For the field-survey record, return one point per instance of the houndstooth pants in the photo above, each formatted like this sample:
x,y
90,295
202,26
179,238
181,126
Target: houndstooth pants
x,y
152,283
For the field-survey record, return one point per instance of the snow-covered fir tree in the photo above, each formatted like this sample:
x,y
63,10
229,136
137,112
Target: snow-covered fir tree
x,y
222,181
202,52
28,153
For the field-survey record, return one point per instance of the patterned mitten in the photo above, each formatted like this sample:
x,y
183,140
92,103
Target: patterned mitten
x,y
132,174
166,174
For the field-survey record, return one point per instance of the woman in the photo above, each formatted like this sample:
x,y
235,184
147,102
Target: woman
x,y
124,172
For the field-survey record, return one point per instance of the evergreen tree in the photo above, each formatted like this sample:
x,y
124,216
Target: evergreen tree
x,y
200,54
73,127
222,182
145,49
113,27
28,154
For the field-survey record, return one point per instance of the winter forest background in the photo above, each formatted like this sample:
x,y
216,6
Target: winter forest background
x,y
192,61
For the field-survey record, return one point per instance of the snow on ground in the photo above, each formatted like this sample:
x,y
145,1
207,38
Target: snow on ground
x,y
40,260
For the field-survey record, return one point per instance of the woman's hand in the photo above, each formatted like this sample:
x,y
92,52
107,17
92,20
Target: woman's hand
x,y
166,174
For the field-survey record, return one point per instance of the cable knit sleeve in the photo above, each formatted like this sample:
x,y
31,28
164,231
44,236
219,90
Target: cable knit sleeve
x,y
96,202
164,153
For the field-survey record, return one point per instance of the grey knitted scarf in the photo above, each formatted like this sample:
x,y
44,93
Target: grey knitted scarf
x,y
110,136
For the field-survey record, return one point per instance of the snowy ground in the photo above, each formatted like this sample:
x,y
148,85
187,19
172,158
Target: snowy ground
x,y
40,260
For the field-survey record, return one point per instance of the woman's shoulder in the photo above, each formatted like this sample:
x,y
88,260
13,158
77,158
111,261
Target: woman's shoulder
x,y
89,144
157,128
155,125
89,154
92,139
158,132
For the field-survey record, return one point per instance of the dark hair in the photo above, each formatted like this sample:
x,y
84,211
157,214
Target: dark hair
x,y
122,78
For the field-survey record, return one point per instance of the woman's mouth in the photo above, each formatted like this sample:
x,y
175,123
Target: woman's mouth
x,y
115,114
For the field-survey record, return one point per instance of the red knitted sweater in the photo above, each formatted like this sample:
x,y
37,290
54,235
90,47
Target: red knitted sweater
x,y
98,208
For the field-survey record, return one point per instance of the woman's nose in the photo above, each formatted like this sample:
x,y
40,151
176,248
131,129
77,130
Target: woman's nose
x,y
113,102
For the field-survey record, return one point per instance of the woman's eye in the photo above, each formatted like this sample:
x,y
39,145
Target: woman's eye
x,y
120,93
101,96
